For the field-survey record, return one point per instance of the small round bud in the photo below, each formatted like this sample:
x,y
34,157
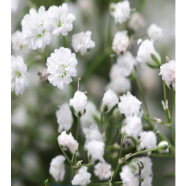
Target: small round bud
x,y
163,147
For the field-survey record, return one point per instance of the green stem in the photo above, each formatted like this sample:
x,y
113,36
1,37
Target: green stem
x,y
142,95
66,156
30,63
154,120
64,42
77,130
101,121
172,134
120,154
162,155
173,107
165,99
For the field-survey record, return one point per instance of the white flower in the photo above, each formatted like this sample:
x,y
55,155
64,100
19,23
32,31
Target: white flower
x,y
35,28
126,63
60,21
147,181
82,177
103,171
129,105
14,5
64,117
118,83
147,170
79,102
82,42
120,42
18,42
168,71
110,99
61,67
144,52
133,126
128,178
19,75
148,140
136,21
95,149
88,118
120,11
57,168
154,32
92,133
67,141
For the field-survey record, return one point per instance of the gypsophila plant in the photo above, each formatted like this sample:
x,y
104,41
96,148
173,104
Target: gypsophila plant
x,y
109,141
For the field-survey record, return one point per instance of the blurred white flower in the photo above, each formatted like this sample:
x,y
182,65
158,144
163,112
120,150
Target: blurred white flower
x,y
133,126
126,63
148,140
153,83
64,117
129,105
110,99
168,71
154,32
136,21
14,5
92,133
18,41
144,52
119,83
57,168
67,141
19,75
87,6
61,67
35,28
95,149
88,118
79,103
120,11
120,42
82,177
60,20
103,171
19,116
128,178
82,42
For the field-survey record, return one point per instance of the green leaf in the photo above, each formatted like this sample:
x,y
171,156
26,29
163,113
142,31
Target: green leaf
x,y
156,60
152,66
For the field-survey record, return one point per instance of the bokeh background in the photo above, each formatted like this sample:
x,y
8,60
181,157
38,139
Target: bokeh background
x,y
34,125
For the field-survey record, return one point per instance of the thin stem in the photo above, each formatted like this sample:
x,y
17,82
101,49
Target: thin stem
x,y
165,99
171,130
86,165
154,120
172,134
64,41
101,121
142,95
120,154
162,155
77,130
66,156
30,63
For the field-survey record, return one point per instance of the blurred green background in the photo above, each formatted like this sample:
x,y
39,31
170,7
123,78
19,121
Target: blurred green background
x,y
34,125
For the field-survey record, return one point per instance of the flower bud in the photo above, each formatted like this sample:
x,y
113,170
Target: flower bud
x,y
163,147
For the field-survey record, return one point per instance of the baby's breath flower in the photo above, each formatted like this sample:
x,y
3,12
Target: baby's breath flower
x,y
154,32
136,21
